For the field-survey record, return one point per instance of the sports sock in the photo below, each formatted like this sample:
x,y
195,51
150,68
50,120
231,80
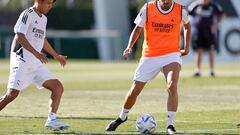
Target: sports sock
x,y
171,118
124,113
211,70
197,70
52,116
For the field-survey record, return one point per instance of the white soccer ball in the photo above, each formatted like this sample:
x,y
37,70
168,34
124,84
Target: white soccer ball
x,y
146,124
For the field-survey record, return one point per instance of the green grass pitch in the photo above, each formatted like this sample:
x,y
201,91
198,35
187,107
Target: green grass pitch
x,y
94,92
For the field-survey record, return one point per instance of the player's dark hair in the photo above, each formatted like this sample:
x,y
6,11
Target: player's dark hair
x,y
53,1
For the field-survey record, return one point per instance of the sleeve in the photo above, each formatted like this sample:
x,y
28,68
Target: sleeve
x,y
218,8
185,16
46,20
141,19
192,7
23,22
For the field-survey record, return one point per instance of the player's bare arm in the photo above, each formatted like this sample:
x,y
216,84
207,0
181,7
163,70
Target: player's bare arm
x,y
133,38
187,37
215,25
48,48
24,42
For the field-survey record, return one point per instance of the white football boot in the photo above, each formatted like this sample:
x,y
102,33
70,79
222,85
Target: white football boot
x,y
56,125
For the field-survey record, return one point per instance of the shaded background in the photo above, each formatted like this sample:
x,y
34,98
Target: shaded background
x,y
99,29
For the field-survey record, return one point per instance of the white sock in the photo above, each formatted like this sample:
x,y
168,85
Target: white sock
x,y
197,70
212,70
171,118
124,113
52,116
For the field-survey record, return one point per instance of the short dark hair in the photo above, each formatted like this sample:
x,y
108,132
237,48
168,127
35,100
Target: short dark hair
x,y
53,1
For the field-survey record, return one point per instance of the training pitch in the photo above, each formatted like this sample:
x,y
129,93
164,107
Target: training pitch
x,y
94,93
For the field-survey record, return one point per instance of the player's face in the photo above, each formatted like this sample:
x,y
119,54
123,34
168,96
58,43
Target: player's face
x,y
46,6
166,3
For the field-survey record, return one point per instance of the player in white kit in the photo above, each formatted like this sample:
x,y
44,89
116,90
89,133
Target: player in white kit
x,y
27,61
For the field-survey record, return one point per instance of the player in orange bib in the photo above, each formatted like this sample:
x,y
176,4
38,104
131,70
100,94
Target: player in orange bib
x,y
161,21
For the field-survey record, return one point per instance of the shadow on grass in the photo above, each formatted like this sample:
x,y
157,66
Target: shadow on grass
x,y
188,133
73,118
126,133
111,133
180,133
82,118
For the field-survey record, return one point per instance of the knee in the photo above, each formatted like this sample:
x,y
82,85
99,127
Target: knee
x,y
58,88
136,89
133,93
172,87
11,95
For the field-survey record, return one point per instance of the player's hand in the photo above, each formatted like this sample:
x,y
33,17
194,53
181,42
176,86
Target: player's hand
x,y
215,26
61,59
41,57
184,52
126,52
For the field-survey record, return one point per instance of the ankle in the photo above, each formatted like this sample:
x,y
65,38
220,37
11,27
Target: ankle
x,y
123,114
52,116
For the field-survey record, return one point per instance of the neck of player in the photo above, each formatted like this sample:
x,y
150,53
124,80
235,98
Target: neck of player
x,y
37,9
165,6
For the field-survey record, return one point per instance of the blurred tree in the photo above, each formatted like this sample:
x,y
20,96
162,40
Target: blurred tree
x,y
15,4
22,4
137,3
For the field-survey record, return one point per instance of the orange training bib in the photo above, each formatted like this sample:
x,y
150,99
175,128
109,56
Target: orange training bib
x,y
162,31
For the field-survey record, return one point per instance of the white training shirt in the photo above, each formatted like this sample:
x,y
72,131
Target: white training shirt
x,y
141,18
33,27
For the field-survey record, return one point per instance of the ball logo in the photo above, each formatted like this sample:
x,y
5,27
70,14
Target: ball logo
x,y
146,124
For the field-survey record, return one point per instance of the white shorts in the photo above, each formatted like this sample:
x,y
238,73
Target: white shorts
x,y
22,75
148,68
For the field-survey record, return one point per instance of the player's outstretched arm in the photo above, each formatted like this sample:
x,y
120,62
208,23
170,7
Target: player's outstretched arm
x,y
21,39
133,38
48,48
187,37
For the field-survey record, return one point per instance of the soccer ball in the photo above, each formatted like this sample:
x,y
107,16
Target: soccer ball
x,y
146,124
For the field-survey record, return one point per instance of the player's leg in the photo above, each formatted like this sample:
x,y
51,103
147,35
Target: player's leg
x,y
44,78
198,61
198,45
211,61
130,100
133,93
147,69
10,95
20,77
131,97
211,44
56,89
171,73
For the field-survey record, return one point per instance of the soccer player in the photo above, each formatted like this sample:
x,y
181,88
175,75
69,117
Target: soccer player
x,y
161,21
206,16
27,61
